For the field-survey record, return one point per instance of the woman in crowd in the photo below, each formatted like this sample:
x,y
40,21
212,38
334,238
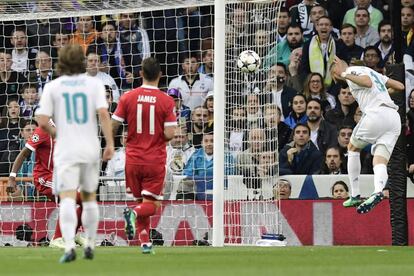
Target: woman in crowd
x,y
298,114
315,88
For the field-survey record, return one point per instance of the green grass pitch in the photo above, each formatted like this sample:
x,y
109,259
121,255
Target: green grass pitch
x,y
196,261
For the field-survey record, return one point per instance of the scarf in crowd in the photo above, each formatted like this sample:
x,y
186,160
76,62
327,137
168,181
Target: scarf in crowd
x,y
319,63
40,82
305,22
409,36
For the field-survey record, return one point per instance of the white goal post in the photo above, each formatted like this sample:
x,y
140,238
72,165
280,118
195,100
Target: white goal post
x,y
233,205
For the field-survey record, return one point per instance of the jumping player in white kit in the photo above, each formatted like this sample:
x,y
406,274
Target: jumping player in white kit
x,y
379,126
74,100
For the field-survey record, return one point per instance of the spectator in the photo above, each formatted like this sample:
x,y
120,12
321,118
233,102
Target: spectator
x,y
248,160
108,46
10,81
298,114
340,190
93,66
333,162
317,12
200,163
193,86
407,23
116,166
283,50
410,132
267,168
385,45
208,63
280,94
337,10
318,53
357,115
261,42
29,101
300,156
254,113
300,14
179,151
294,80
23,56
315,89
344,136
237,134
195,128
375,15
372,59
282,189
44,70
85,32
347,43
282,24
366,34
40,30
183,113
135,43
343,113
60,39
110,99
9,136
323,134
275,127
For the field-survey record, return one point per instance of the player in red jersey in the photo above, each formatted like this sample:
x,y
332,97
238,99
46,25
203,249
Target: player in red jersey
x,y
42,144
151,123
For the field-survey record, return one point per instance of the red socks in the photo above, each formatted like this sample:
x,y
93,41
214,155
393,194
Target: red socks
x,y
144,211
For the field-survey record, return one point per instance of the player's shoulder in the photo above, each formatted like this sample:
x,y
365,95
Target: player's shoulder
x,y
38,135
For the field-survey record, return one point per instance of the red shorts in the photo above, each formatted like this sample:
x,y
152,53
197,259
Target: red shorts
x,y
44,187
145,180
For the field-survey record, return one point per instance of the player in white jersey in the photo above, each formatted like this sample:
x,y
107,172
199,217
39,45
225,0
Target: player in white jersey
x,y
73,100
379,126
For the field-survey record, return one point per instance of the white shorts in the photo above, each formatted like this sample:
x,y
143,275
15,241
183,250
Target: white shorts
x,y
82,176
381,125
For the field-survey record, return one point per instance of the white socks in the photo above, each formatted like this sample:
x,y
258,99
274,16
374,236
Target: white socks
x,y
90,220
380,177
68,222
354,170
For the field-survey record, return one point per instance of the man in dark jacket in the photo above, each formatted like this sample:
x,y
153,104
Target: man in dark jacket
x,y
322,134
277,92
343,114
300,156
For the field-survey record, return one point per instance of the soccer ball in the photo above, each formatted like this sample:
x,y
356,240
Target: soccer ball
x,y
248,61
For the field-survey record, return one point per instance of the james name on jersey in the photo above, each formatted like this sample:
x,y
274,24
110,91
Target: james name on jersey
x,y
146,99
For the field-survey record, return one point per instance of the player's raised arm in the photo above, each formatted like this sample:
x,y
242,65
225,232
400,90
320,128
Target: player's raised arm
x,y
394,85
338,71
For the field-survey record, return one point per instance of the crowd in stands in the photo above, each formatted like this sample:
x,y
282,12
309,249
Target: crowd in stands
x,y
289,118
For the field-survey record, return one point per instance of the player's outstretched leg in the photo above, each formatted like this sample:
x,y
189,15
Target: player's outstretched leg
x,y
68,257
130,218
352,201
370,203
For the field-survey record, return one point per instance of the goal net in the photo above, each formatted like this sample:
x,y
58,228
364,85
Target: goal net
x,y
227,118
